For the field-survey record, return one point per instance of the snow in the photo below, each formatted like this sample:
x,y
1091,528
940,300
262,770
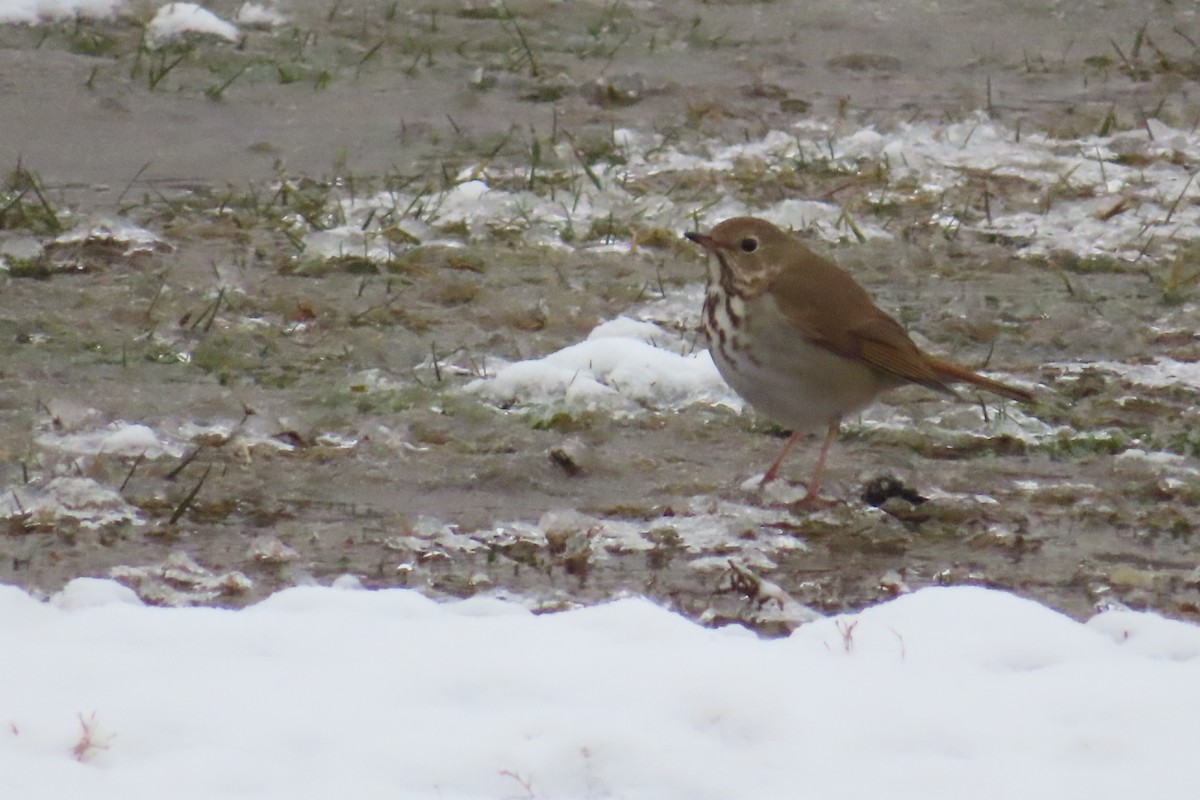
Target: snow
x,y
113,232
175,20
1130,194
35,10
329,692
117,438
258,15
964,422
624,366
91,504
1158,373
170,21
75,438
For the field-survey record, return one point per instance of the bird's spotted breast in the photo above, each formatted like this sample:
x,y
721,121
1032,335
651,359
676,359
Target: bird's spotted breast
x,y
735,308
722,320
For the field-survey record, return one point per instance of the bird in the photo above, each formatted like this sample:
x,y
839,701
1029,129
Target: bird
x,y
800,340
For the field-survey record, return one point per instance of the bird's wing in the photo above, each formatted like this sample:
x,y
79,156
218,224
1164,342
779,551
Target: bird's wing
x,y
853,327
884,345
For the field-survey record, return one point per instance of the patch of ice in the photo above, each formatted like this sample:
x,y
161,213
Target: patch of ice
x,y
373,380
1162,372
113,232
180,581
245,435
935,493
959,420
82,499
1164,459
748,532
348,241
1136,459
429,535
1059,486
119,438
336,441
21,248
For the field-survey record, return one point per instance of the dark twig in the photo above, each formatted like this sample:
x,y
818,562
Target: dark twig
x,y
187,459
132,469
187,501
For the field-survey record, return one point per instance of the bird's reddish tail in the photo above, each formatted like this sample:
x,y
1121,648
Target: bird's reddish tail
x,y
956,374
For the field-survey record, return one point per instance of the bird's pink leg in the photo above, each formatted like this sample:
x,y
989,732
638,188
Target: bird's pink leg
x,y
813,499
773,470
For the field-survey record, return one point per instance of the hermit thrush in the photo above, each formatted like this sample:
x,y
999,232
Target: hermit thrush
x,y
802,342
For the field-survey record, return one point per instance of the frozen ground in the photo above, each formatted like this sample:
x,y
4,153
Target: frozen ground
x,y
316,692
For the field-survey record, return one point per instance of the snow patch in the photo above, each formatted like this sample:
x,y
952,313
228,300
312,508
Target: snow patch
x,y
943,689
176,20
623,367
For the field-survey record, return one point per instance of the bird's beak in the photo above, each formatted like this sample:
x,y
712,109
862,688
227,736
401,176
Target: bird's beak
x,y
704,241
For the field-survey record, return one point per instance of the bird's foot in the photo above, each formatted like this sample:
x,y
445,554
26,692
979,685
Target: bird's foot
x,y
812,501
786,494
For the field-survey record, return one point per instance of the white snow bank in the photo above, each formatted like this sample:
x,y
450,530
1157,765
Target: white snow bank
x,y
318,693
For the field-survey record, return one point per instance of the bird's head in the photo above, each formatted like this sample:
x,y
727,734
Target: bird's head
x,y
749,250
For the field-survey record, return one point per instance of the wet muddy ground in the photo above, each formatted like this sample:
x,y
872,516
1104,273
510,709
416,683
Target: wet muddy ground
x,y
318,403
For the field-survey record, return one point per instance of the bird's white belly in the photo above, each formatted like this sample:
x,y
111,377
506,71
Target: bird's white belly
x,y
797,384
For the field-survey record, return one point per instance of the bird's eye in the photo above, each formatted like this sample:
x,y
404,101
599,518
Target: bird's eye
x,y
749,244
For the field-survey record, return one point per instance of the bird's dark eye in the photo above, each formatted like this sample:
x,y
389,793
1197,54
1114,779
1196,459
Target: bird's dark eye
x,y
749,244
